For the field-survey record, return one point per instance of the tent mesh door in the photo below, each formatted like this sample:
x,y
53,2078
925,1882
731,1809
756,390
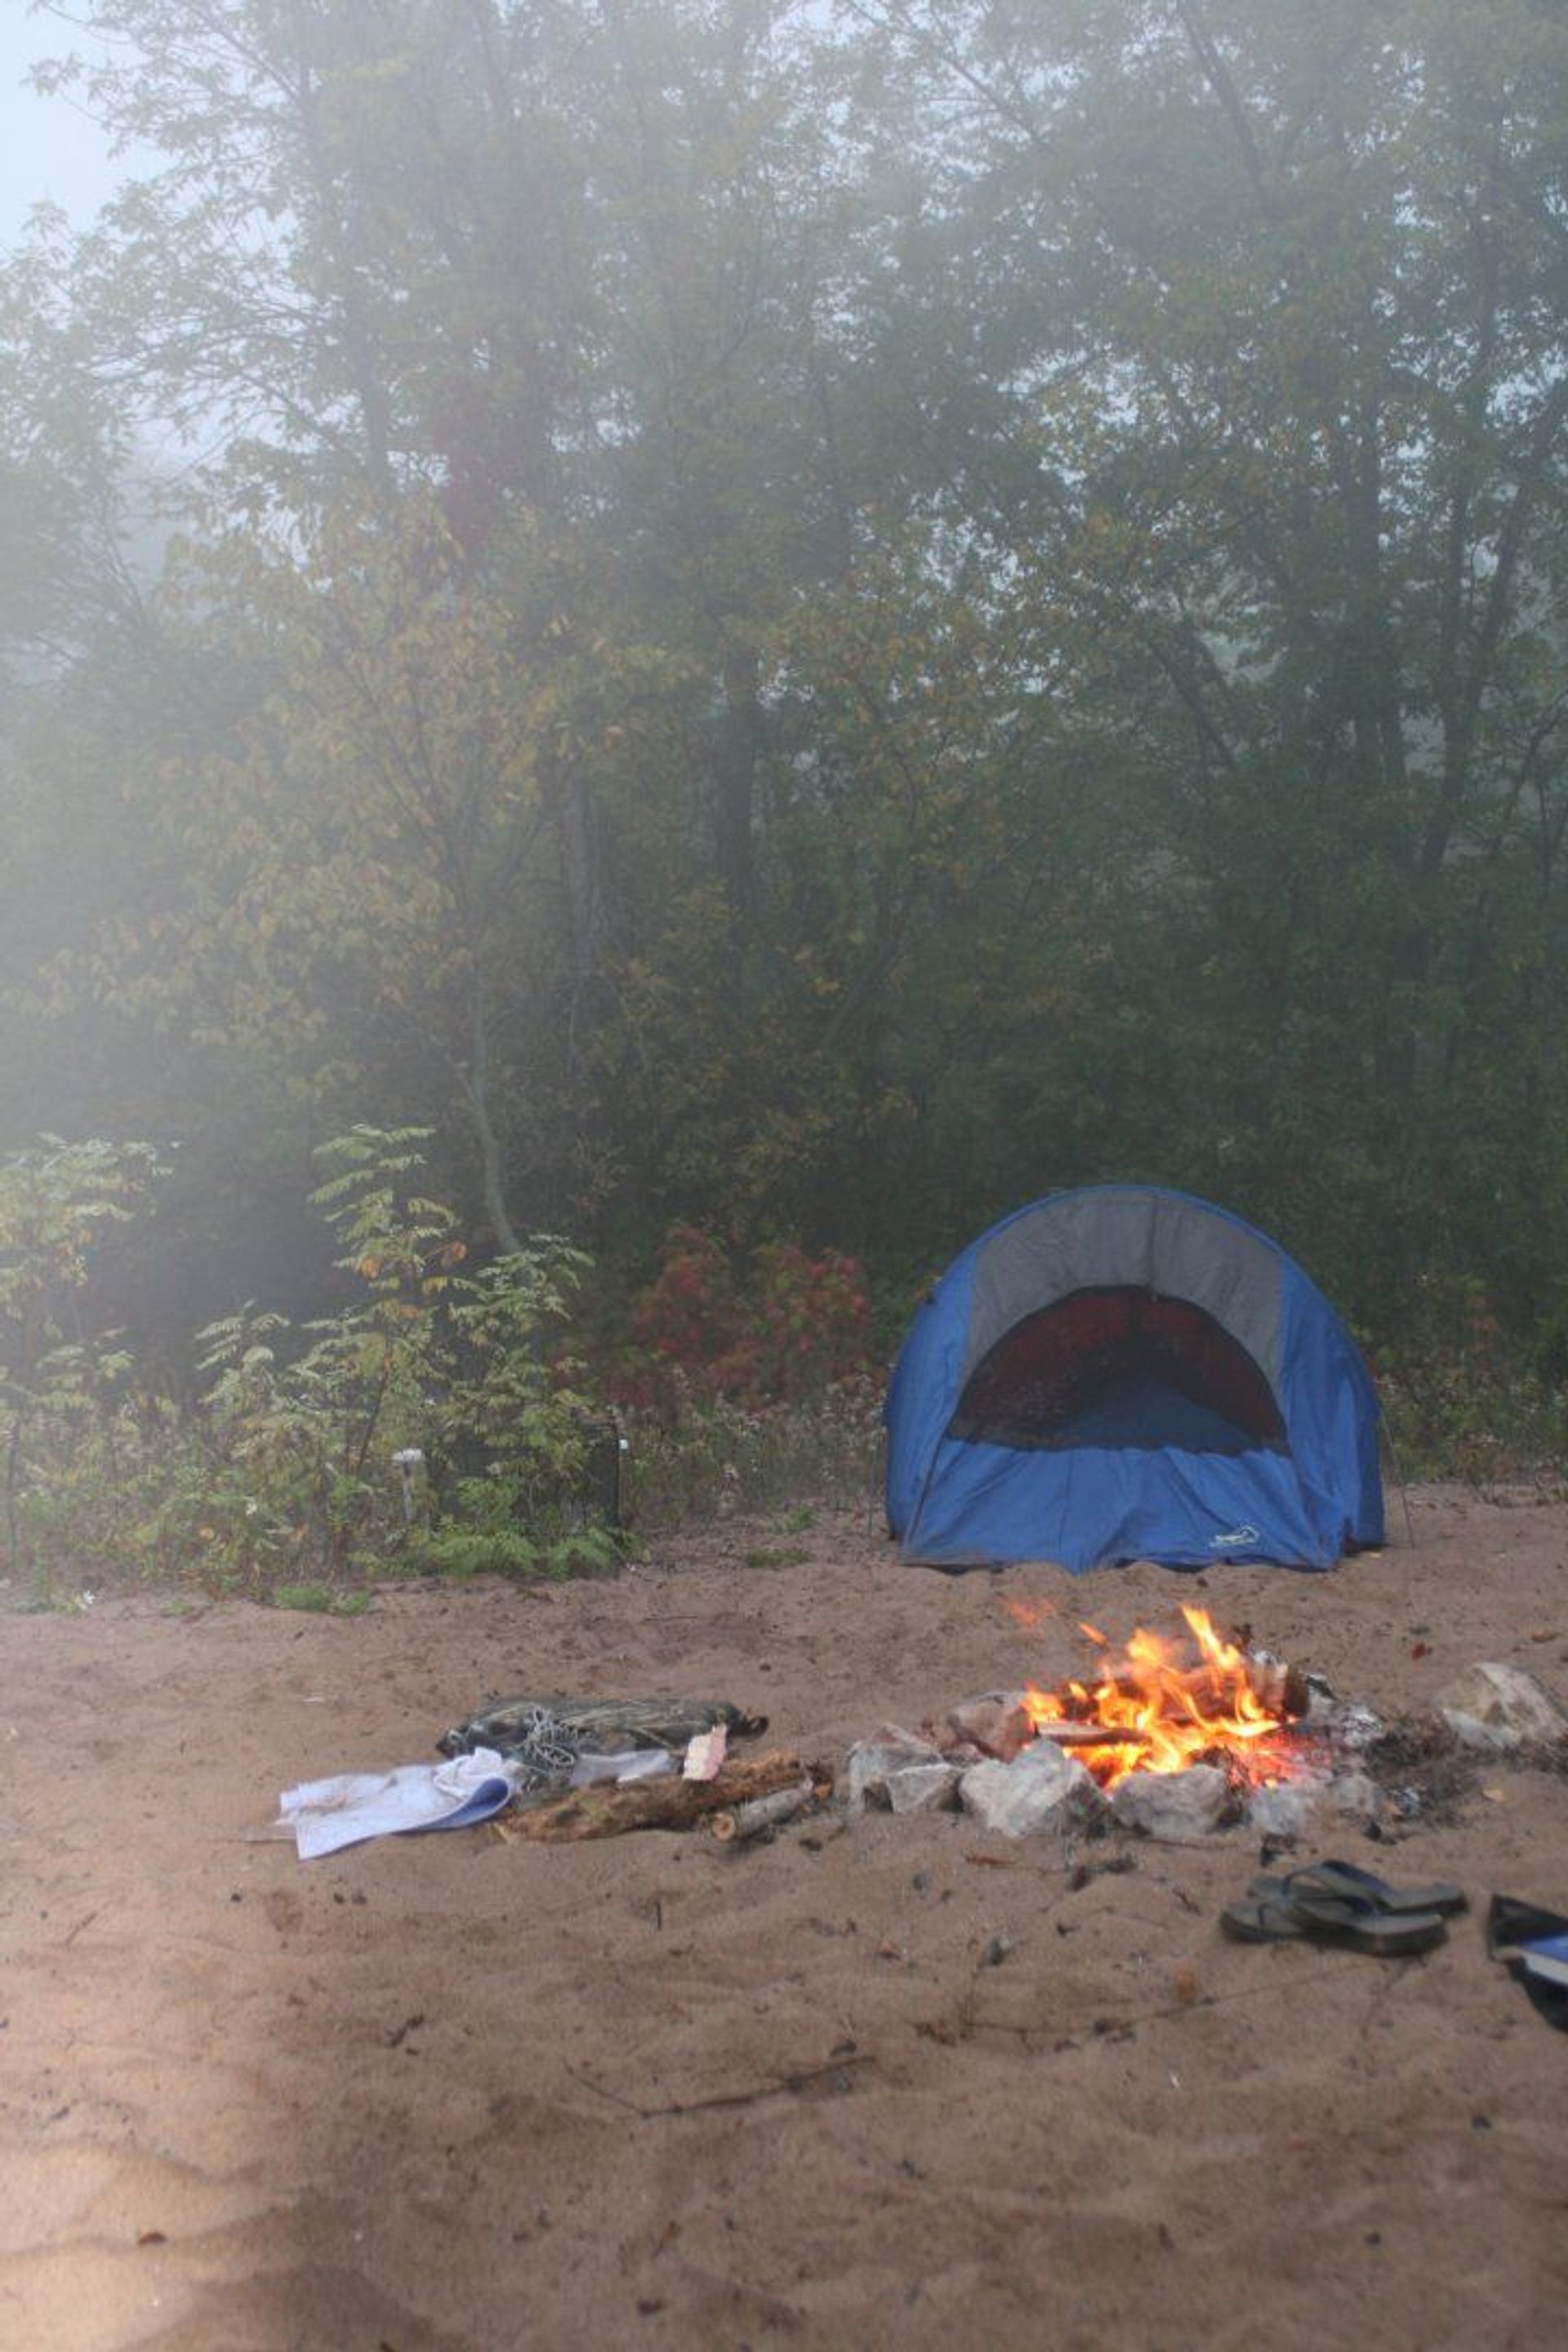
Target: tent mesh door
x,y
1120,1367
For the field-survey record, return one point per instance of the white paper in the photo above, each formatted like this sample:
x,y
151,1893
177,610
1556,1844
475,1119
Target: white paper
x,y
705,1754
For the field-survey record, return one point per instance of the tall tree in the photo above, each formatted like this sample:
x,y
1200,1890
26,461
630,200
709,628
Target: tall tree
x,y
773,596
1278,476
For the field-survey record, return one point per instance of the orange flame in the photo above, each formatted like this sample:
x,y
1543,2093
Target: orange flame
x,y
1162,1712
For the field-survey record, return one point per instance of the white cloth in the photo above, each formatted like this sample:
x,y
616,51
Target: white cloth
x,y
629,1764
351,1806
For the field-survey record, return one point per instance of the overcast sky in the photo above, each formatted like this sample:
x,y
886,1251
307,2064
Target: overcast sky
x,y
48,147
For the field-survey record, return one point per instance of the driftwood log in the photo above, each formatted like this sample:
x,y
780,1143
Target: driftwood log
x,y
668,1802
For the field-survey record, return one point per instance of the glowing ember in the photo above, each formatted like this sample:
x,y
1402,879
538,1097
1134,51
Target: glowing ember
x,y
1157,1710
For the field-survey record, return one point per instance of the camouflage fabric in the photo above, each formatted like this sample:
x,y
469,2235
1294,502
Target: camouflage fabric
x,y
600,1727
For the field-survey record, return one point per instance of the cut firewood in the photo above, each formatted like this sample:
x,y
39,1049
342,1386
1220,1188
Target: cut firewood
x,y
735,1824
1090,1735
666,1803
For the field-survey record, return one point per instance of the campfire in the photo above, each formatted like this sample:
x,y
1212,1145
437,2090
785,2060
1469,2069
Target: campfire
x,y
1155,1709
1167,1738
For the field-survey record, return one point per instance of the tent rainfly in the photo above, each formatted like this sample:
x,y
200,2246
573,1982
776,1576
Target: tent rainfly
x,y
1126,1373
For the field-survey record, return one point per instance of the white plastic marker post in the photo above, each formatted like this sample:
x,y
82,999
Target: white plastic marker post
x,y
407,1462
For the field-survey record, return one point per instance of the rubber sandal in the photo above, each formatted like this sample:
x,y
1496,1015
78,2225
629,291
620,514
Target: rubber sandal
x,y
1510,1923
1301,1919
1389,1934
1511,1928
1345,1882
1262,1920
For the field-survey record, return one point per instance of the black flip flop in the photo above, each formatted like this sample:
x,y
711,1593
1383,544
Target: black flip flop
x,y
1262,1920
1345,1882
1391,1934
1273,1918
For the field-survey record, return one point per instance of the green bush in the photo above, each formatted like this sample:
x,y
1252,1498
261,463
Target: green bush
x,y
281,1474
713,1457
1458,1401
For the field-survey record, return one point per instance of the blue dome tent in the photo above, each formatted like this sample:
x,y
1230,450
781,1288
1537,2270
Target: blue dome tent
x,y
1126,1373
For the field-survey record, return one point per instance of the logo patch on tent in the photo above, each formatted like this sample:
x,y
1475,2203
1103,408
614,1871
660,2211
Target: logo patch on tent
x,y
1234,1539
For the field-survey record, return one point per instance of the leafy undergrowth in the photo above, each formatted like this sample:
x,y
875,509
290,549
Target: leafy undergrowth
x,y
1460,1401
439,1423
432,1424
449,1422
721,1459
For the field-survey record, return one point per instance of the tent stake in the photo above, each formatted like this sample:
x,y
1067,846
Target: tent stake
x,y
1399,1481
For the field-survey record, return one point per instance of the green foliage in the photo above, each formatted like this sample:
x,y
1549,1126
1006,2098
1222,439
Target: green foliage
x,y
809,623
285,1459
509,1396
775,1556
471,1549
322,1599
1460,1401
62,1386
423,1357
797,1520
714,1458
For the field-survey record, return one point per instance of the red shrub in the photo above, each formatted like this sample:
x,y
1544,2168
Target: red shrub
x,y
781,1328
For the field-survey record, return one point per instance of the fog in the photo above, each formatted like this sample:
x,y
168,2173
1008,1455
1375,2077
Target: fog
x,y
789,627
52,150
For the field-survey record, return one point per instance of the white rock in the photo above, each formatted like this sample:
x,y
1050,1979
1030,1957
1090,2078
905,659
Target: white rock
x,y
1500,1706
869,1763
924,1787
1284,1811
1292,1809
1041,1789
1356,1796
1173,1805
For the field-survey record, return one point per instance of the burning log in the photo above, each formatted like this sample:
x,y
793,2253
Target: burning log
x,y
1155,1711
1088,1735
669,1802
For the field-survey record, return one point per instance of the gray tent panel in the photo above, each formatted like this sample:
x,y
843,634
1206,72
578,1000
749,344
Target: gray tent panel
x,y
1117,1237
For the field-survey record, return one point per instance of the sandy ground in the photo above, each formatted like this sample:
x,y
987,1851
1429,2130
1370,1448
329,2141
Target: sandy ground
x,y
448,2091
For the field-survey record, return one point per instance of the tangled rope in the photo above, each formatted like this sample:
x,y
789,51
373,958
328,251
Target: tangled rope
x,y
544,1750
